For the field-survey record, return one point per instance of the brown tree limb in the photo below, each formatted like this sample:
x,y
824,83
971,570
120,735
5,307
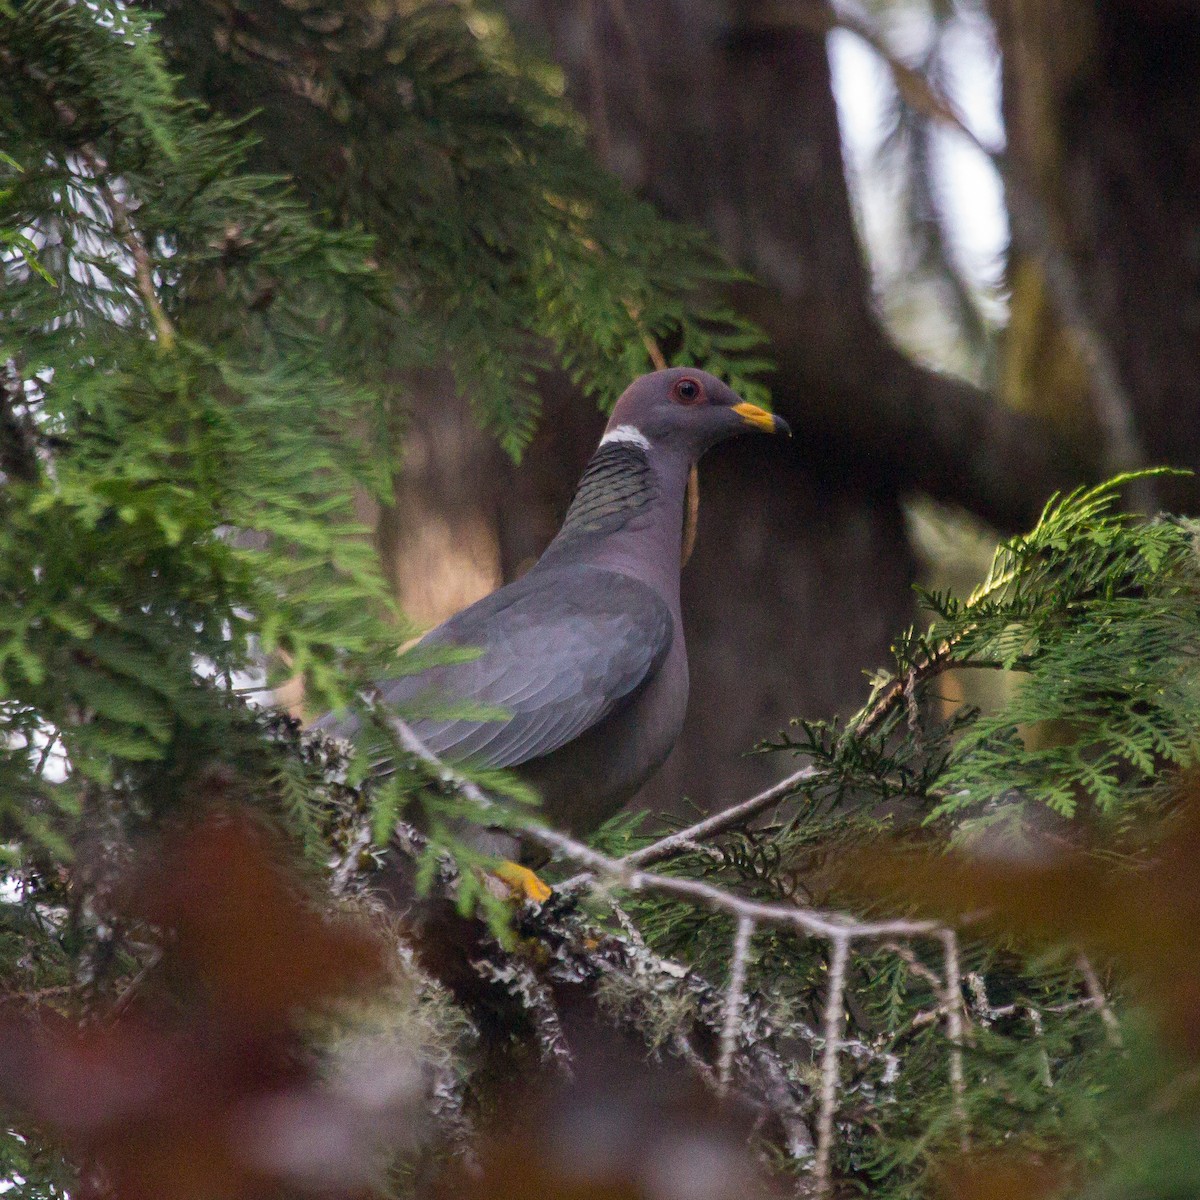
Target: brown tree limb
x,y
867,413
1032,227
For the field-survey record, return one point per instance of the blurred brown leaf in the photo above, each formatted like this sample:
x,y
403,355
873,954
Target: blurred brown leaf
x,y
1000,1177
1144,916
242,927
627,1130
201,1089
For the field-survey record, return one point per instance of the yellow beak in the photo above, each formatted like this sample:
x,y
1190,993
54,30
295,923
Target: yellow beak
x,y
761,419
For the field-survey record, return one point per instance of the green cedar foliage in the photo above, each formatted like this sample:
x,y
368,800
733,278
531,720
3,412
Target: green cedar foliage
x,y
199,351
1096,616
193,358
197,371
179,458
506,243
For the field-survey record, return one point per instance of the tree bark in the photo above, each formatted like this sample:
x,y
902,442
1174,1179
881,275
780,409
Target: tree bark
x,y
1102,106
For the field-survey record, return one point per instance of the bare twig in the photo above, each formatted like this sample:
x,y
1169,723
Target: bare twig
x,y
720,822
834,1000
653,349
841,930
916,966
690,1055
47,750
1095,991
346,865
131,989
981,1003
954,1030
734,998
576,952
707,895
807,920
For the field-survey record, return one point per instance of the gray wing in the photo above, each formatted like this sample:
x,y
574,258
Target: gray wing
x,y
562,649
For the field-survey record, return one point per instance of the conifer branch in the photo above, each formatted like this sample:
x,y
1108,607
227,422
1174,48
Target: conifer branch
x,y
816,922
127,233
729,818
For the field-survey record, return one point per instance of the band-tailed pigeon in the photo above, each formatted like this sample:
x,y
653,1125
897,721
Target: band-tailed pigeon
x,y
585,651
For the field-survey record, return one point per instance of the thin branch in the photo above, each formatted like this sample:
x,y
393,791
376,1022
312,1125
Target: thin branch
x,y
653,349
579,952
954,1030
1095,991
47,750
734,999
986,1013
812,921
346,864
916,966
690,1055
130,992
720,822
143,268
841,930
939,660
829,1063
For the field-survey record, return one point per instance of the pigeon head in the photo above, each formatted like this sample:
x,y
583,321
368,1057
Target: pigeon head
x,y
685,411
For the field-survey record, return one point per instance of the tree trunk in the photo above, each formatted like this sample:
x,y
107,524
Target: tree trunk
x,y
1102,105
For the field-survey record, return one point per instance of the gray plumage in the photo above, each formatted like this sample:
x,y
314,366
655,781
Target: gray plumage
x,y
564,648
585,652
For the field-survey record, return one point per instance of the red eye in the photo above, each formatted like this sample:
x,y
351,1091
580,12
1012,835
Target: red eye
x,y
689,391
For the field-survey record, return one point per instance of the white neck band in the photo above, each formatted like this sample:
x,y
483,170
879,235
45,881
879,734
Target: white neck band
x,y
627,433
